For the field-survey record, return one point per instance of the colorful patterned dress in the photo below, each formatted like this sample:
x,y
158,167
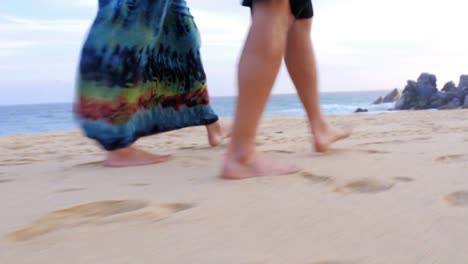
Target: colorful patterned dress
x,y
141,73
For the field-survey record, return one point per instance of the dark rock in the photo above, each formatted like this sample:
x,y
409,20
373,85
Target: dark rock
x,y
423,94
441,99
438,99
378,100
408,97
452,104
463,82
422,103
459,93
427,85
360,110
418,95
411,87
449,87
393,96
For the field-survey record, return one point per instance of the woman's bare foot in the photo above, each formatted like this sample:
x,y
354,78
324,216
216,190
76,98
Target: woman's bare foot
x,y
237,168
132,156
325,136
216,133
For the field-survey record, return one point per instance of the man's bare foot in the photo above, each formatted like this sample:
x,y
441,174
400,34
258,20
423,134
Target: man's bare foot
x,y
132,156
216,133
325,136
234,168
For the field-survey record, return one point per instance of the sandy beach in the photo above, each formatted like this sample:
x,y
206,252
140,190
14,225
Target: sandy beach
x,y
396,192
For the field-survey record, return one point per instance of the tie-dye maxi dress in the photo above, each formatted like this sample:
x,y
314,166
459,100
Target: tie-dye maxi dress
x,y
141,73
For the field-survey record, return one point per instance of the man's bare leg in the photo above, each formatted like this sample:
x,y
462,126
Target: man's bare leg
x,y
300,61
258,67
132,156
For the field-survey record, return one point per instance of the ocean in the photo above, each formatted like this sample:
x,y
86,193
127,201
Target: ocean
x,y
26,119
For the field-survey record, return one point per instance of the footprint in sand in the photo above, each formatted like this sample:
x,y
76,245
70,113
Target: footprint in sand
x,y
172,135
186,148
18,147
139,184
280,151
457,199
90,164
370,151
101,212
422,138
317,178
71,190
365,186
453,158
204,158
65,158
13,162
366,151
5,180
393,142
382,143
187,164
330,262
403,179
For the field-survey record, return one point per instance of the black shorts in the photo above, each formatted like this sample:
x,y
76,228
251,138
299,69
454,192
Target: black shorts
x,y
301,9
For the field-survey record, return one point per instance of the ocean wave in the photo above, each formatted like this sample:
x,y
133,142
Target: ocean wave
x,y
380,107
292,111
347,109
337,109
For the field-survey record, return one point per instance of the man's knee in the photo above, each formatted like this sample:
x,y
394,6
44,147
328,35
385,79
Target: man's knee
x,y
271,3
302,25
275,12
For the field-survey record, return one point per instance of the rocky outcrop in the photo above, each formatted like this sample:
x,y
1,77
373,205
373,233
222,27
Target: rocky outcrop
x,y
449,87
361,110
391,97
408,97
424,94
465,106
452,104
448,100
438,99
426,85
463,84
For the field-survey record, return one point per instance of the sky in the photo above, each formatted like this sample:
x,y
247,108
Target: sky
x,y
359,44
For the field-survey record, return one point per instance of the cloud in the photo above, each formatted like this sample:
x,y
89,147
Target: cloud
x,y
28,34
220,29
42,49
14,24
16,44
360,44
8,48
76,3
6,53
398,24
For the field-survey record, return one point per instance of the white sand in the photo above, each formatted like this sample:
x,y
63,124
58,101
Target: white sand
x,y
395,192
